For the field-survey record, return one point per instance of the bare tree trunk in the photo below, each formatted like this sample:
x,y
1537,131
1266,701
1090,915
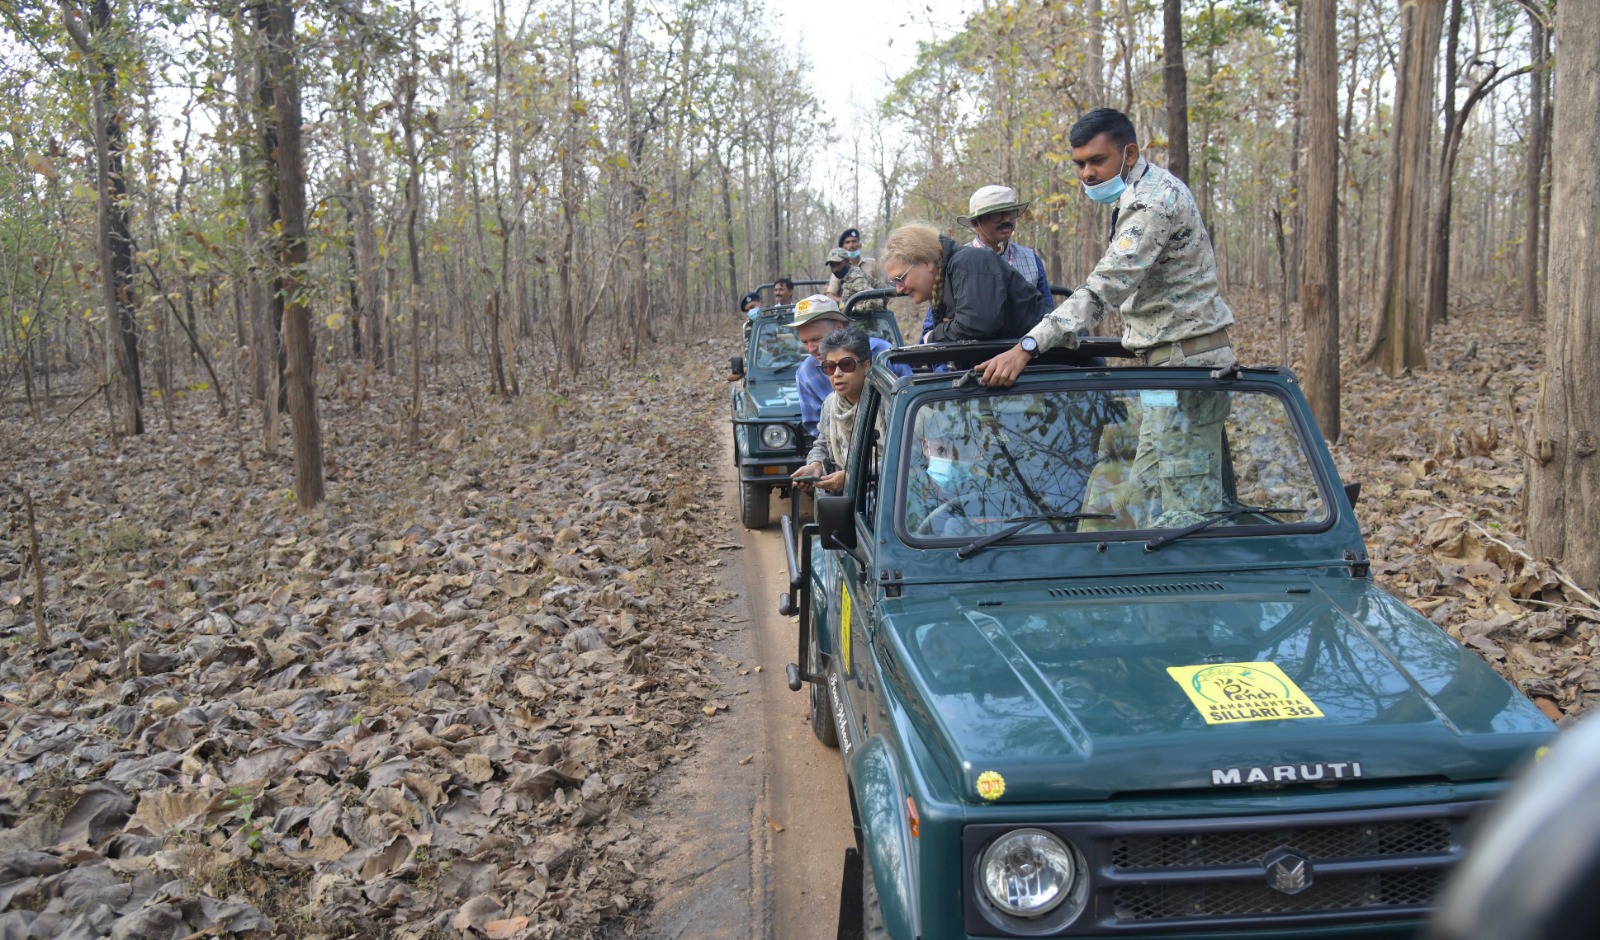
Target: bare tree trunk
x,y
115,242
1533,188
1319,280
275,19
1563,517
1175,86
1438,294
1399,340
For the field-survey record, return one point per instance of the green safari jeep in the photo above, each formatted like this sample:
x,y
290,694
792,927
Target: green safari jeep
x,y
1103,657
769,440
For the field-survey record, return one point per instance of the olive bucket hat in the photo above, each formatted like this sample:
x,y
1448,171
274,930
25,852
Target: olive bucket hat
x,y
991,199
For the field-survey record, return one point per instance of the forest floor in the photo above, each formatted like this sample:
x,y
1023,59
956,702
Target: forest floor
x,y
435,706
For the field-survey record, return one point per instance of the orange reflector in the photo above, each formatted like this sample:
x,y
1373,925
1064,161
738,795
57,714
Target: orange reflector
x,y
773,471
913,819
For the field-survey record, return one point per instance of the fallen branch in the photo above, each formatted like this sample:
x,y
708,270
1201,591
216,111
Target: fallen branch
x,y
41,629
1560,575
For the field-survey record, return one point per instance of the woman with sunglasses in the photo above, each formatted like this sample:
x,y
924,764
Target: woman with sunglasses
x,y
846,356
974,294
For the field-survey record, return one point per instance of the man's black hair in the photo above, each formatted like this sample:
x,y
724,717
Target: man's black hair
x,y
1109,121
786,281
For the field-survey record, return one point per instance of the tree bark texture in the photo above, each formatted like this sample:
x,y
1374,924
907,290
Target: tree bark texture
x,y
276,19
115,236
1175,86
1401,332
1563,469
1539,82
1319,279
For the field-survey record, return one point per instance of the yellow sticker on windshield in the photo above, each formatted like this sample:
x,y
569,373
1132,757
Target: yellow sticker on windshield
x,y
844,626
1227,693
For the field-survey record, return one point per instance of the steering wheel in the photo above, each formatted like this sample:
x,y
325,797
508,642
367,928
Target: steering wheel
x,y
950,510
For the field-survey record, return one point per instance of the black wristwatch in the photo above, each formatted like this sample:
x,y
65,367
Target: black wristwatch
x,y
1030,346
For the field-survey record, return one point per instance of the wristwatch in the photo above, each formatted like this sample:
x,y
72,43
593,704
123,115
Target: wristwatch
x,y
1030,346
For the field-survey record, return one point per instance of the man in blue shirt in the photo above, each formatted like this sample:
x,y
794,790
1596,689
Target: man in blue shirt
x,y
815,317
992,214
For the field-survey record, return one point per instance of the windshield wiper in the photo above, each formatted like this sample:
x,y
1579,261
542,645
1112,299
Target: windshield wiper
x,y
1022,522
1221,516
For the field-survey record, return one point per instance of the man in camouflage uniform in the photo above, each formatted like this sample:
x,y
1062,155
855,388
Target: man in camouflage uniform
x,y
850,279
1160,270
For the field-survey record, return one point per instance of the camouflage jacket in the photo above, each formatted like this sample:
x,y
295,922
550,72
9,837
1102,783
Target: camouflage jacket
x,y
1159,269
855,280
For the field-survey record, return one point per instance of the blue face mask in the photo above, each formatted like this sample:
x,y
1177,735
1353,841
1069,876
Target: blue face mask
x,y
855,254
1111,190
948,473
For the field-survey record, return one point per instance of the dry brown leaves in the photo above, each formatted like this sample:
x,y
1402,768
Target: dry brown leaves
x,y
428,709
1439,455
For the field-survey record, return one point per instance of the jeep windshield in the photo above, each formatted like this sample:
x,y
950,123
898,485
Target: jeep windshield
x,y
776,346
1096,462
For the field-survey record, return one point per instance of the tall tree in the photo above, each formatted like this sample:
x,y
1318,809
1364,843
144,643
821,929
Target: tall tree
x,y
1319,296
1400,337
1533,188
116,238
1175,85
275,21
1563,466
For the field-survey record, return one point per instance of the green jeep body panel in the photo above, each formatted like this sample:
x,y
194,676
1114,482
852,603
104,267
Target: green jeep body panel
x,y
1044,661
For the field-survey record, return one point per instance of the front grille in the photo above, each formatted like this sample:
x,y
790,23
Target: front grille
x,y
1251,846
1379,866
1235,899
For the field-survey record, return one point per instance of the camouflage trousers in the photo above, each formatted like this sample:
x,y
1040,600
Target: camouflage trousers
x,y
1177,468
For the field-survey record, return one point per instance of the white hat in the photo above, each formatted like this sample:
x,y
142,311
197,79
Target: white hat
x,y
991,199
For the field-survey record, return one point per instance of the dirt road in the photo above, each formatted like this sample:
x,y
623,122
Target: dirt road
x,y
726,868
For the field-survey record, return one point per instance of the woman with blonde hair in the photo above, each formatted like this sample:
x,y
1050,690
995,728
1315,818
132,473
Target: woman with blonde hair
x,y
974,295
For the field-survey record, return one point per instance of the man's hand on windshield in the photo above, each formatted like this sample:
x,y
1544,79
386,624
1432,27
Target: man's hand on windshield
x,y
1002,370
833,482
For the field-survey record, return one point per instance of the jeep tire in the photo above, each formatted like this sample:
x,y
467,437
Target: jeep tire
x,y
821,700
755,505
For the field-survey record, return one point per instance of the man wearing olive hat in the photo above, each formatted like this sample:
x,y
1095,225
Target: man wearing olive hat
x,y
848,279
992,214
815,317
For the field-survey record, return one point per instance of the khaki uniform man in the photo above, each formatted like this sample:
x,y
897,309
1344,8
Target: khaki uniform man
x,y
849,279
1160,271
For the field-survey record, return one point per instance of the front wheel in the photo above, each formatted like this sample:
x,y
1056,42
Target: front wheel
x,y
755,505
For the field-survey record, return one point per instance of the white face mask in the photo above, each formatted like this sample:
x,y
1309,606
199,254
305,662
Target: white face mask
x,y
947,472
1111,190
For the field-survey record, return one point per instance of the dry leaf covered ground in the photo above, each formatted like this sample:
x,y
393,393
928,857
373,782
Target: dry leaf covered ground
x,y
428,708
432,708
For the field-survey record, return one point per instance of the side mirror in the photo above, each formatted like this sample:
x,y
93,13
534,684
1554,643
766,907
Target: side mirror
x,y
836,524
1352,492
736,365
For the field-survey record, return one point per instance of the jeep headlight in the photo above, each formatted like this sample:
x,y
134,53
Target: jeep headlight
x,y
776,437
1027,872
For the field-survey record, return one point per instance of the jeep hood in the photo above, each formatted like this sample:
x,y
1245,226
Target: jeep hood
x,y
1066,694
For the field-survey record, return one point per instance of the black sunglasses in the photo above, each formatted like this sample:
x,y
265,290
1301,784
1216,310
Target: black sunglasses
x,y
846,365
